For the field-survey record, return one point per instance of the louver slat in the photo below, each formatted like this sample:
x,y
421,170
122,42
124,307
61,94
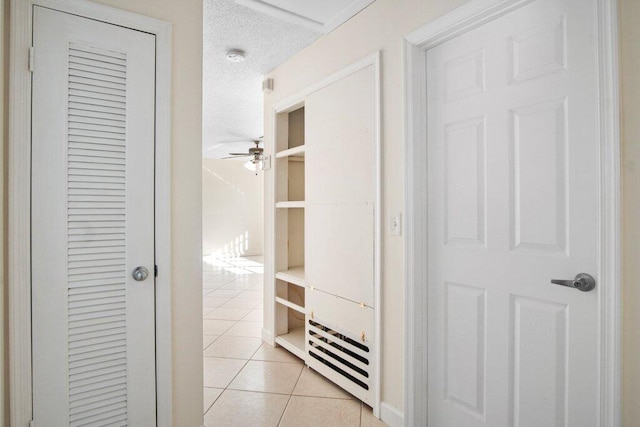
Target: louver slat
x,y
96,237
340,353
87,357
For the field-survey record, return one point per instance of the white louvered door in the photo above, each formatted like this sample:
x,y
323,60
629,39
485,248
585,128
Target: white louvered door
x,y
92,223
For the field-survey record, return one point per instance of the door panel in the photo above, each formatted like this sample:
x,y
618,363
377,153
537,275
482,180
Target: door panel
x,y
339,250
339,135
513,179
92,222
340,187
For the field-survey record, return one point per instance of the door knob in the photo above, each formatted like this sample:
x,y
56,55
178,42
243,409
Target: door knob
x,y
140,274
583,282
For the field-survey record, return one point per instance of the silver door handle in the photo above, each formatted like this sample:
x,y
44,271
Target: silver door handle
x,y
140,274
583,282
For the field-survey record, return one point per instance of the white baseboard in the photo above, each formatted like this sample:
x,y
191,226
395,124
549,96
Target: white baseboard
x,y
246,254
267,337
253,253
390,415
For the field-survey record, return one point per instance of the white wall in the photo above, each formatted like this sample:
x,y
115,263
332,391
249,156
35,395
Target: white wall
x,y
232,208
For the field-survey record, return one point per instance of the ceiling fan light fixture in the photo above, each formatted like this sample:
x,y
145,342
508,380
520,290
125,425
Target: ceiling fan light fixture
x,y
253,165
235,55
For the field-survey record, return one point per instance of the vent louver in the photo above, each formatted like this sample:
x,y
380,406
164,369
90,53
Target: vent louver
x,y
343,354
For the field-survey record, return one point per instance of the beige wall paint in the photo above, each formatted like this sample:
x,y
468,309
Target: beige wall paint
x,y
382,26
232,208
4,396
630,90
186,204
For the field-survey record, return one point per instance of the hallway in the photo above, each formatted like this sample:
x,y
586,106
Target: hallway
x,y
249,383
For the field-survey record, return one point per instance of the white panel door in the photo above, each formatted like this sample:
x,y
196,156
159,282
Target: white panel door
x,y
92,223
513,203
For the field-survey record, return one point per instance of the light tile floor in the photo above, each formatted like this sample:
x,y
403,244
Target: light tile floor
x,y
250,383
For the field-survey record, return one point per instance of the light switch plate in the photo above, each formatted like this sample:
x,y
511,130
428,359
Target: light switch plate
x,y
266,163
395,224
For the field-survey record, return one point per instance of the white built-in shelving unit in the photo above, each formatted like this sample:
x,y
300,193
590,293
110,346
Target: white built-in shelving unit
x,y
324,231
290,286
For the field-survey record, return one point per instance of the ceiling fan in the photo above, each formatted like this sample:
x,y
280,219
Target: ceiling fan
x,y
254,152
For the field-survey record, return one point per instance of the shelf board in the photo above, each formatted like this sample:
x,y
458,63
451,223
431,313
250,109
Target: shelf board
x,y
293,275
294,204
291,305
291,152
293,341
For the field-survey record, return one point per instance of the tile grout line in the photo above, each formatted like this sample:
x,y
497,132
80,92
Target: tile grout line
x,y
226,388
243,366
212,403
291,395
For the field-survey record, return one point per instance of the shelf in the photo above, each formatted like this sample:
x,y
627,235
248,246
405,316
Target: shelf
x,y
294,204
293,341
291,305
293,275
291,152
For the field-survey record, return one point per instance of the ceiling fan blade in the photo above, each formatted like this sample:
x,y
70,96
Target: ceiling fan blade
x,y
241,141
239,154
235,157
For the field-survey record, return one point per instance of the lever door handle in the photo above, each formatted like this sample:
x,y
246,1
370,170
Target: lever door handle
x,y
583,282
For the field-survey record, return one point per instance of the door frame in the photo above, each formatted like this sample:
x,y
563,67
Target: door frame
x,y
19,192
465,18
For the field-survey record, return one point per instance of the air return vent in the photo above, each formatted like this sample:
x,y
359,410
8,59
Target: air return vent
x,y
347,356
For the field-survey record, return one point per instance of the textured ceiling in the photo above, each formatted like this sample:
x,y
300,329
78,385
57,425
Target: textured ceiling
x,y
232,99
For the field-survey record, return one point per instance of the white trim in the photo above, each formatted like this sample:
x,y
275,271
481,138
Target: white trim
x,y
610,257
392,416
283,14
292,103
465,18
267,336
295,101
415,292
19,189
19,302
345,14
286,15
377,274
269,266
164,322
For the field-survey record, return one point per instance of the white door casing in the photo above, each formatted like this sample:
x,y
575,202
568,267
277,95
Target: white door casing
x,y
19,195
516,121
92,222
